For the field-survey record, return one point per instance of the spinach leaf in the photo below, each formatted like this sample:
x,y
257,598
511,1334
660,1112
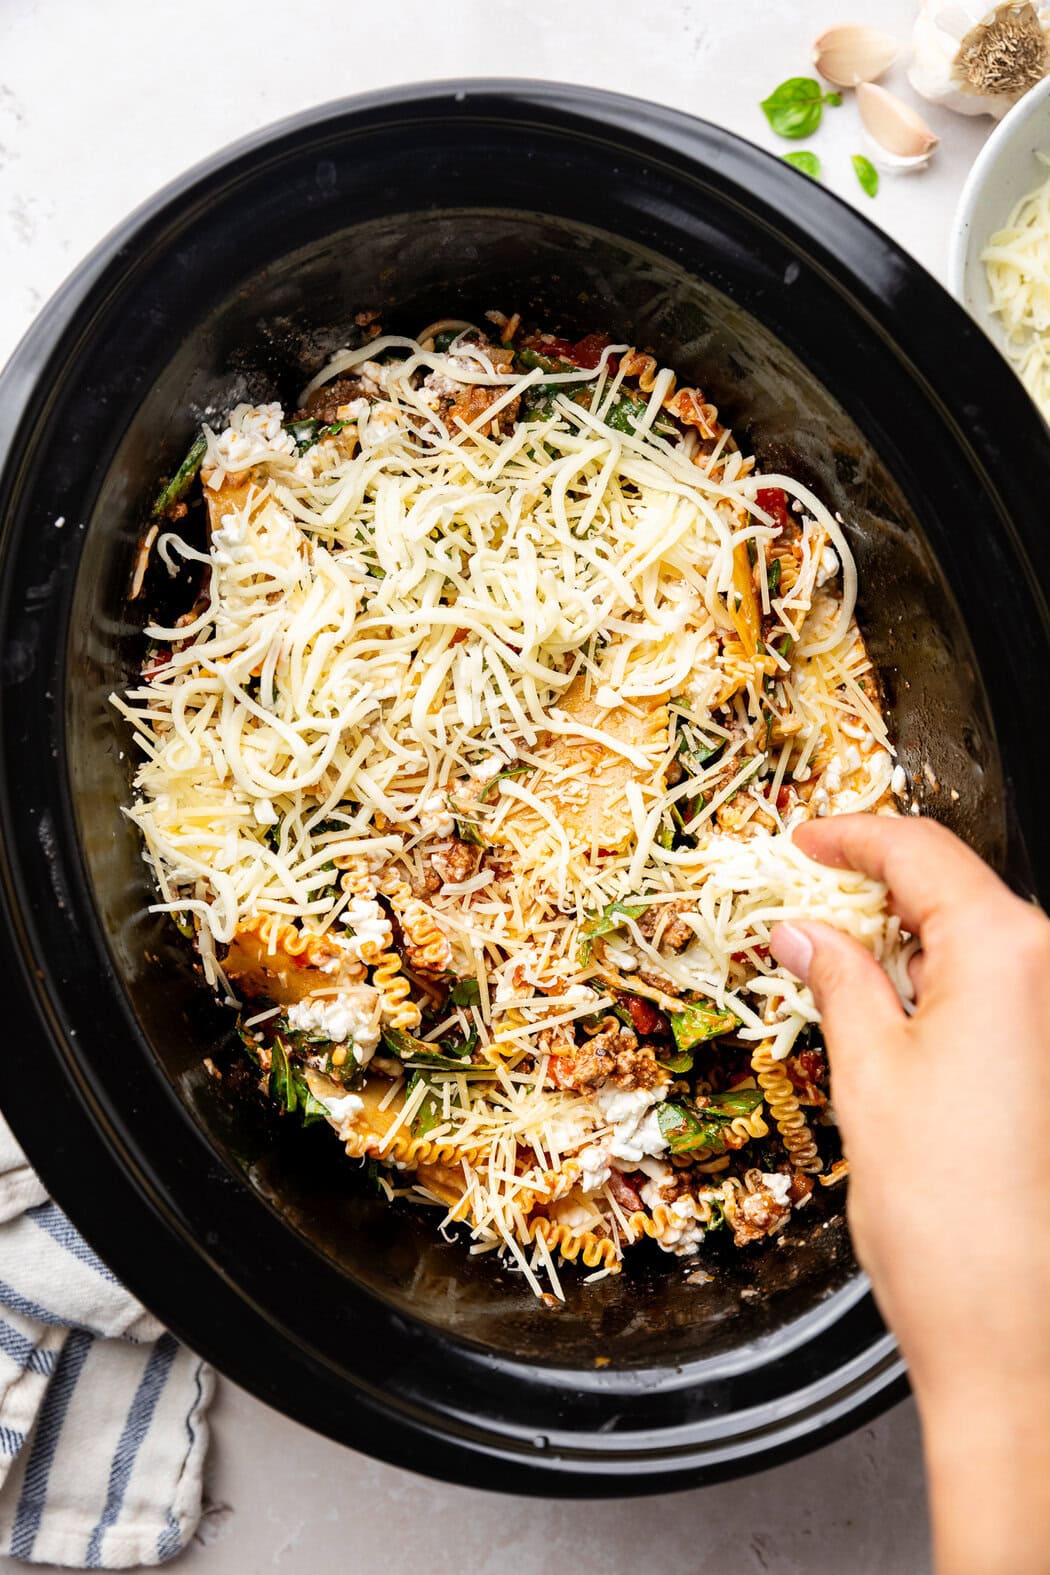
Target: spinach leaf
x,y
698,1022
773,577
794,109
469,831
610,918
403,1044
176,488
422,1051
734,1102
443,340
465,992
289,1089
684,1129
428,1116
501,776
528,360
676,1063
310,431
626,413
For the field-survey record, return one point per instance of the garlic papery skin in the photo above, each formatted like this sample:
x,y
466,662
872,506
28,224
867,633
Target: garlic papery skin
x,y
894,126
978,58
849,54
890,163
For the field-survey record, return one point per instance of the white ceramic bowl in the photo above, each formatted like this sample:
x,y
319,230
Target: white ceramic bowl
x,y
1006,168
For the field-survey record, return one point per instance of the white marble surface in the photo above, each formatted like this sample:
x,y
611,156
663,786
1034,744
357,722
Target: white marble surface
x,y
99,105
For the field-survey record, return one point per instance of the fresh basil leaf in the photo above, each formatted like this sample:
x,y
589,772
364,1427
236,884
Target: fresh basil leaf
x,y
804,161
794,109
698,1022
512,771
176,488
465,992
866,173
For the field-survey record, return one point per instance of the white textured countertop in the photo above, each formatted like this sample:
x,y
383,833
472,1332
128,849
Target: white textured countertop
x,y
99,105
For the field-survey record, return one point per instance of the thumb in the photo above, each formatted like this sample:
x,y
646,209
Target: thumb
x,y
856,1001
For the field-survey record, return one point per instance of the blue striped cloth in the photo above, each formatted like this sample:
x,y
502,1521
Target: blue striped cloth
x,y
103,1427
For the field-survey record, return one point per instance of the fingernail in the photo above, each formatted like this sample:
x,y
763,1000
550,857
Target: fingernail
x,y
793,949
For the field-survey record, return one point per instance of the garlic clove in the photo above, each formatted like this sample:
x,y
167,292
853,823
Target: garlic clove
x,y
850,54
892,163
894,125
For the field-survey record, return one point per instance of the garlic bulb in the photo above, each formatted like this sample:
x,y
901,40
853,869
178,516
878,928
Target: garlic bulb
x,y
979,58
849,54
901,140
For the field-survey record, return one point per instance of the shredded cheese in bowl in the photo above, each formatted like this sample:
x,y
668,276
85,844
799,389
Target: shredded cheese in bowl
x,y
473,766
1017,267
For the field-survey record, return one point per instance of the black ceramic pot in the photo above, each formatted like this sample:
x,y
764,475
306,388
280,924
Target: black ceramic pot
x,y
840,360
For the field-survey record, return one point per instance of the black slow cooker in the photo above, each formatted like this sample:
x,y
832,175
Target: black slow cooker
x,y
829,351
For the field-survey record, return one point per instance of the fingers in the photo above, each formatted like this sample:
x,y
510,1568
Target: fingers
x,y
857,1002
927,869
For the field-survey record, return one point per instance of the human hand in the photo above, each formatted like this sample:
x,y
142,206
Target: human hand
x,y
945,1119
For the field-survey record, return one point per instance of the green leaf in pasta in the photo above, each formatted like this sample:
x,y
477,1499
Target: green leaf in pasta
x,y
176,488
684,1129
794,109
734,1102
611,918
700,1021
428,1116
501,776
289,1090
465,992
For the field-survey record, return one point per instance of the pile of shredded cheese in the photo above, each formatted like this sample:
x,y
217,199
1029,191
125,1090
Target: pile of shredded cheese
x,y
468,658
1017,267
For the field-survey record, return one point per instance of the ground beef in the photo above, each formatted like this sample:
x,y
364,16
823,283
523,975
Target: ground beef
x,y
610,1052
638,1069
325,402
807,1071
471,404
664,916
757,1214
454,860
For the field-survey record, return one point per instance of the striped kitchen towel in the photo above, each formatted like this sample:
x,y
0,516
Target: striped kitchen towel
x,y
102,1412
